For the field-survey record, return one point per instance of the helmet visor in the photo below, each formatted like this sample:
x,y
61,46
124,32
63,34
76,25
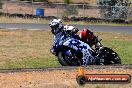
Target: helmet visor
x,y
54,28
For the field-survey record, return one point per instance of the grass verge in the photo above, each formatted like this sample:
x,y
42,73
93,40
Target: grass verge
x,y
6,19
31,48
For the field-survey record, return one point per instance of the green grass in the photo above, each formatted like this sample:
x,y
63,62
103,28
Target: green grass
x,y
31,48
123,48
38,62
26,49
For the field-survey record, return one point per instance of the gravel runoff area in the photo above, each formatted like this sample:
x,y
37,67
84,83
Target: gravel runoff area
x,y
57,78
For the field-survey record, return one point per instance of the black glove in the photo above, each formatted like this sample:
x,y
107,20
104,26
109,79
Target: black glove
x,y
74,31
95,39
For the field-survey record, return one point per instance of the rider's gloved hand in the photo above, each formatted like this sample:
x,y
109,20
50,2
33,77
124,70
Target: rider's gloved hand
x,y
95,40
75,30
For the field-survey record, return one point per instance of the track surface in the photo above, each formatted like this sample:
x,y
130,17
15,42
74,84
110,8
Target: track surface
x,y
95,28
65,68
61,77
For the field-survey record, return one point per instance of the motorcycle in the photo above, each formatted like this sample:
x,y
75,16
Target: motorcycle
x,y
69,50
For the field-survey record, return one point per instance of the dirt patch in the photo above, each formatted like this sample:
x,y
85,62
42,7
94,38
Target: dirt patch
x,y
57,79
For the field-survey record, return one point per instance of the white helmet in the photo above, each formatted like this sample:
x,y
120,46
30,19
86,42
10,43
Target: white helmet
x,y
68,29
56,26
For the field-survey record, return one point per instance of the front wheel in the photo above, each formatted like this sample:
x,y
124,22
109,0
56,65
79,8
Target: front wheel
x,y
69,57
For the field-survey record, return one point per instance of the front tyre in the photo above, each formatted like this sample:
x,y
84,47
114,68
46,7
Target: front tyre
x,y
69,57
61,59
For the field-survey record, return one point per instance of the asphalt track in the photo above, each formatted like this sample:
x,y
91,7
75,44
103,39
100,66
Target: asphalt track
x,y
94,28
127,66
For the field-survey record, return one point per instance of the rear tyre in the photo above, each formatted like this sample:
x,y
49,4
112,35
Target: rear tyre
x,y
109,56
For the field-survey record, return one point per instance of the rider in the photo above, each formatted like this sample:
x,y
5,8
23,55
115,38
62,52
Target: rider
x,y
88,37
57,28
71,31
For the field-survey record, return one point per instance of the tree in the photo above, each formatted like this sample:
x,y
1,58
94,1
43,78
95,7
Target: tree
x,y
67,1
114,8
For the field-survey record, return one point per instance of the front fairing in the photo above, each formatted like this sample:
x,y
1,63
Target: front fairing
x,y
59,39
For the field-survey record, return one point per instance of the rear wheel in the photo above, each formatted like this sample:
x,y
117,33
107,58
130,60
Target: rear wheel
x,y
69,57
108,56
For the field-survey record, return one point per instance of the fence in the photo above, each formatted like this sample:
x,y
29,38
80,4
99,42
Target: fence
x,y
72,10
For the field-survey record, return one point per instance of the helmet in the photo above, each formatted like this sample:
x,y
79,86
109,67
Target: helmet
x,y
56,26
87,34
68,29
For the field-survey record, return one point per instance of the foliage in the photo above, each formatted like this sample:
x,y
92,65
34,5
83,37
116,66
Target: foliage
x,y
114,8
67,1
